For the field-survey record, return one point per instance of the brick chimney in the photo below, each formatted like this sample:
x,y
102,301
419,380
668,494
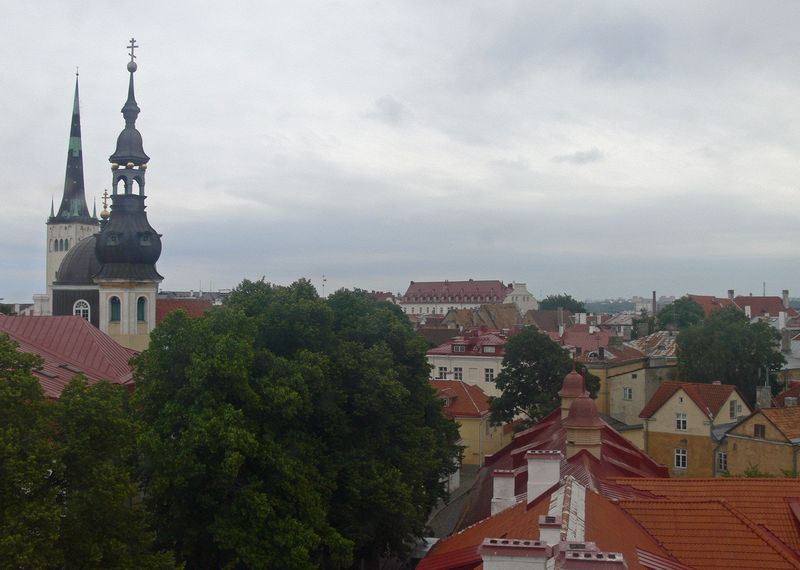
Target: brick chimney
x,y
730,294
544,471
785,296
503,495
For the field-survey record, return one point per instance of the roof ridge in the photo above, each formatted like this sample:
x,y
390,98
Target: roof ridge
x,y
768,537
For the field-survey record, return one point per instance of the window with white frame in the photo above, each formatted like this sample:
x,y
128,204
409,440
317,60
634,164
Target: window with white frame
x,y
680,421
722,461
81,309
627,393
489,349
488,374
681,458
459,348
442,372
732,409
458,373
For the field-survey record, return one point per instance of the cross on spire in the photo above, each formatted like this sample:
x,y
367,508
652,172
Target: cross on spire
x,y
132,47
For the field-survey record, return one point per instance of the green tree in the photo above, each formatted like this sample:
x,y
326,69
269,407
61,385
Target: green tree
x,y
564,301
726,347
533,372
101,525
30,505
286,431
678,315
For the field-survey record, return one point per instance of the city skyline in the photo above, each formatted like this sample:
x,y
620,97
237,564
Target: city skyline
x,y
604,150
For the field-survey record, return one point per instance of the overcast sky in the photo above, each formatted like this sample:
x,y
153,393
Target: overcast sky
x,y
597,148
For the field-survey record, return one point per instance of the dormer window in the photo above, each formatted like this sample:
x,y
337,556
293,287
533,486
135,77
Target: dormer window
x,y
459,348
144,238
113,238
489,349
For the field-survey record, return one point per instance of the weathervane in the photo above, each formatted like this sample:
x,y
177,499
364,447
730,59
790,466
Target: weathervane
x,y
132,47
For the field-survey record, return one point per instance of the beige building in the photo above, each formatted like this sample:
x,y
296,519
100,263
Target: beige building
x,y
468,406
768,441
475,359
684,424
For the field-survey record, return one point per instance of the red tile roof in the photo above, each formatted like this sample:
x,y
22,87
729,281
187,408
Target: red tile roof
x,y
759,305
463,400
461,291
708,397
793,391
711,303
192,307
69,346
585,340
785,420
474,345
620,458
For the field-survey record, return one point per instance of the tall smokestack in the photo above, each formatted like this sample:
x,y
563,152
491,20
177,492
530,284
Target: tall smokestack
x,y
785,296
655,306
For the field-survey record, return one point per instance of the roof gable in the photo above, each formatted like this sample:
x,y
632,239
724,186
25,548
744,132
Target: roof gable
x,y
709,398
463,400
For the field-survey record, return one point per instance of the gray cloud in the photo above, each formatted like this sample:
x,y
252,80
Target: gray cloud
x,y
581,157
390,111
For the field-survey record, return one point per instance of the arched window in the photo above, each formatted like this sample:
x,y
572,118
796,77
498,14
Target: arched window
x,y
115,309
61,245
66,245
81,309
141,304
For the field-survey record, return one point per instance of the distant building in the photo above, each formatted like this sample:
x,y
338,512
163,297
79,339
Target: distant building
x,y
439,297
475,359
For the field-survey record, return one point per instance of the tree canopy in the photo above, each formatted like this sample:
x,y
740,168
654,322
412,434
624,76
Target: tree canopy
x,y
726,347
564,301
67,475
533,372
679,314
287,431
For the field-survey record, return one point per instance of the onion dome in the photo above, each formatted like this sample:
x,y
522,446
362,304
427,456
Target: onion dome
x,y
572,386
80,265
583,414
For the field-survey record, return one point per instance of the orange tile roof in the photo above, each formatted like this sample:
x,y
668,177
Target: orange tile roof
x,y
463,400
461,550
762,501
759,305
612,529
786,420
708,397
709,535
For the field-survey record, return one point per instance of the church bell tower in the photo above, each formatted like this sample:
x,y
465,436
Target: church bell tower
x,y
73,222
128,247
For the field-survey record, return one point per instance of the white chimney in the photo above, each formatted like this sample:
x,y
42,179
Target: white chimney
x,y
747,311
781,320
785,297
503,495
790,402
544,471
510,554
550,529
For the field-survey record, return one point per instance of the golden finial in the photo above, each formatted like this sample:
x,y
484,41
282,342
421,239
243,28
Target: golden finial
x,y
105,213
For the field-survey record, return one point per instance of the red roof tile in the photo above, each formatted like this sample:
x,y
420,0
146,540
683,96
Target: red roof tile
x,y
711,303
474,345
192,307
69,346
793,391
760,306
460,291
463,400
708,397
785,420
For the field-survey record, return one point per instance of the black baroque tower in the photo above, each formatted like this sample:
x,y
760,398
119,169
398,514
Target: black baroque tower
x,y
127,248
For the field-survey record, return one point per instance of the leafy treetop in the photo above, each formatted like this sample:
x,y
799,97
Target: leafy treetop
x,y
564,301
